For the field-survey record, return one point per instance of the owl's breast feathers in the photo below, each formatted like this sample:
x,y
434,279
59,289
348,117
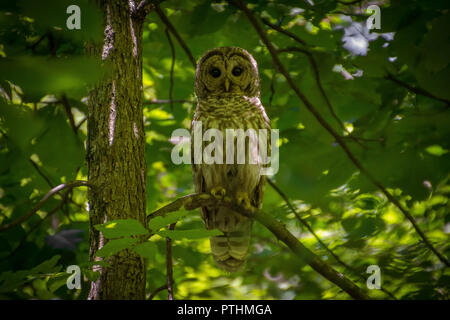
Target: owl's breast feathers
x,y
231,112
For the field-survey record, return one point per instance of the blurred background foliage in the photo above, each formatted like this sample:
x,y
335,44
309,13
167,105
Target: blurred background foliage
x,y
389,88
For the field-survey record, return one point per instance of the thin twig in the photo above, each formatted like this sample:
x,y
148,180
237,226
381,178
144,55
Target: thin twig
x,y
33,228
65,103
47,179
36,43
315,68
415,90
169,264
172,29
276,60
51,185
157,290
51,193
349,2
284,31
194,201
272,89
172,66
81,122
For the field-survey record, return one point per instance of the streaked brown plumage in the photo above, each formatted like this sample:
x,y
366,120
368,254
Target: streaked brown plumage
x,y
229,99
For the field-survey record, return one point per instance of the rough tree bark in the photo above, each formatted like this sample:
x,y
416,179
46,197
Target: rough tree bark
x,y
116,147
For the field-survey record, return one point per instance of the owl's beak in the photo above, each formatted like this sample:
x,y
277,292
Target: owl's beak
x,y
227,85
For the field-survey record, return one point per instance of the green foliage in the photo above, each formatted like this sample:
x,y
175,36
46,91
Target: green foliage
x,y
121,228
121,232
146,249
10,280
159,222
189,234
115,246
393,101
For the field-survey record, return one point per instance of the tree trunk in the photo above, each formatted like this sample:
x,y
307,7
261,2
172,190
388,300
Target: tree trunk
x,y
116,148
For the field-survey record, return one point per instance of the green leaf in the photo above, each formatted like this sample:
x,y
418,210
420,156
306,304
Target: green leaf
x,y
91,275
38,76
20,123
9,281
160,222
146,249
58,135
121,228
206,20
48,266
189,234
116,245
57,281
436,150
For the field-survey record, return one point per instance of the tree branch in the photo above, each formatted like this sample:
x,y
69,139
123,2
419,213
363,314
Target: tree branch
x,y
81,122
51,193
415,90
47,179
172,29
349,2
169,264
315,68
306,224
273,52
68,110
172,66
193,201
157,290
284,31
53,211
142,9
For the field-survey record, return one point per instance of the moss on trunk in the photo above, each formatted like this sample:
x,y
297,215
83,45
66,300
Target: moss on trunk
x,y
116,149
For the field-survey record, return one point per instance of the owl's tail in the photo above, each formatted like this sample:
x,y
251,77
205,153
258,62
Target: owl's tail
x,y
230,250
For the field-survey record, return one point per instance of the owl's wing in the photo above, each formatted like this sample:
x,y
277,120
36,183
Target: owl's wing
x,y
199,181
258,194
257,197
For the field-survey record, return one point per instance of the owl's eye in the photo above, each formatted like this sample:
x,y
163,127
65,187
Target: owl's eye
x,y
215,72
236,71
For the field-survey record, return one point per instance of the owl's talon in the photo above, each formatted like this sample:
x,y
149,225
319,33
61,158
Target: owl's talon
x,y
218,192
243,200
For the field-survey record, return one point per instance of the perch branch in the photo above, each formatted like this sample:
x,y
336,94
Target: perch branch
x,y
193,201
276,60
51,193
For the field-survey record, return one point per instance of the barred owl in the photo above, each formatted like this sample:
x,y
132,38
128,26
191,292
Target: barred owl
x,y
228,92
